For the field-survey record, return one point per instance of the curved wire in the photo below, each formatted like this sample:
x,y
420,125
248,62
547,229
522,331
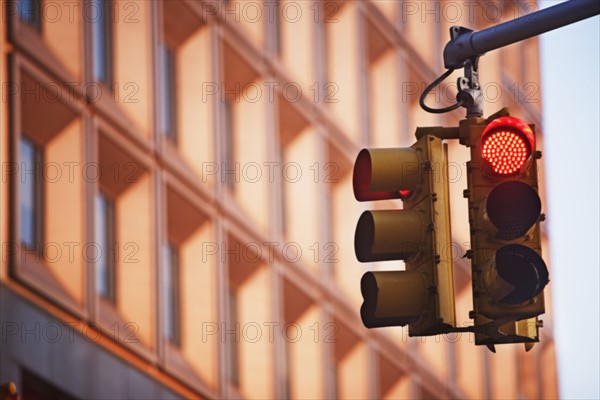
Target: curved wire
x,y
429,88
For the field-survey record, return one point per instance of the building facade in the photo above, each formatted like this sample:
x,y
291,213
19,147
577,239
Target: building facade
x,y
176,206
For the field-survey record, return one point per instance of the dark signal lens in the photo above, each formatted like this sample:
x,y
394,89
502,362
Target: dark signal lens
x,y
513,207
523,269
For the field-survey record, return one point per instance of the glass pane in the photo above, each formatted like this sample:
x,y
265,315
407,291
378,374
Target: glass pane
x,y
171,279
286,373
102,283
284,196
167,88
232,320
100,17
27,193
29,12
168,295
277,28
229,172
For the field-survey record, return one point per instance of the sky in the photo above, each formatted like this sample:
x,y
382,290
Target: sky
x,y
571,128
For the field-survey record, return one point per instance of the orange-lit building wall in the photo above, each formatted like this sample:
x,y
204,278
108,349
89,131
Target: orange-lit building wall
x,y
272,102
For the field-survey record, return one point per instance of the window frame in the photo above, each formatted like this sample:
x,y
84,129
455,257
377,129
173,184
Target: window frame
x,y
27,267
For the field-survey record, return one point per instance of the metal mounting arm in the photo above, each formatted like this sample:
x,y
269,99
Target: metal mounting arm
x,y
466,46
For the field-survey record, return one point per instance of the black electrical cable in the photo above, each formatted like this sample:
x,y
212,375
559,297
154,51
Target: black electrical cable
x,y
429,88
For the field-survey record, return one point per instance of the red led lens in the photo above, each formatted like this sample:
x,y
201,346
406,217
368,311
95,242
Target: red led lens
x,y
506,144
506,152
405,193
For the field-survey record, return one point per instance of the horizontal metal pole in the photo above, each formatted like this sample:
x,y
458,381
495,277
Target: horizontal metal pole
x,y
472,44
438,131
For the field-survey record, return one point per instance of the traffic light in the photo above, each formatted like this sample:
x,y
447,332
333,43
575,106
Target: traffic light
x,y
421,296
508,272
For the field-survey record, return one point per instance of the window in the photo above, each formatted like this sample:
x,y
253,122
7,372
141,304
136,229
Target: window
x,y
233,353
230,169
276,28
284,197
287,384
101,16
167,98
172,303
31,190
105,239
30,12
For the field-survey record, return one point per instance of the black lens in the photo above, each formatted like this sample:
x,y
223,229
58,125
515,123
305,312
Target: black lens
x,y
513,207
524,269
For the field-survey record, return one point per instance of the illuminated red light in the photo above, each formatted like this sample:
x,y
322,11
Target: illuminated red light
x,y
405,193
507,143
506,152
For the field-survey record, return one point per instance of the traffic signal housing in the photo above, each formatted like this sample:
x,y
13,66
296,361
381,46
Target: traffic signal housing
x,y
508,272
422,295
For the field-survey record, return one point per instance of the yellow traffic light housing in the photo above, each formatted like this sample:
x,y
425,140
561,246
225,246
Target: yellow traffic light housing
x,y
422,296
509,274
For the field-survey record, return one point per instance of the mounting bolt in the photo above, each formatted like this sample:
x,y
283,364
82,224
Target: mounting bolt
x,y
542,217
537,154
469,254
466,193
472,314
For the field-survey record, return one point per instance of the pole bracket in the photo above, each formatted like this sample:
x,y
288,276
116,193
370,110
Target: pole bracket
x,y
469,90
